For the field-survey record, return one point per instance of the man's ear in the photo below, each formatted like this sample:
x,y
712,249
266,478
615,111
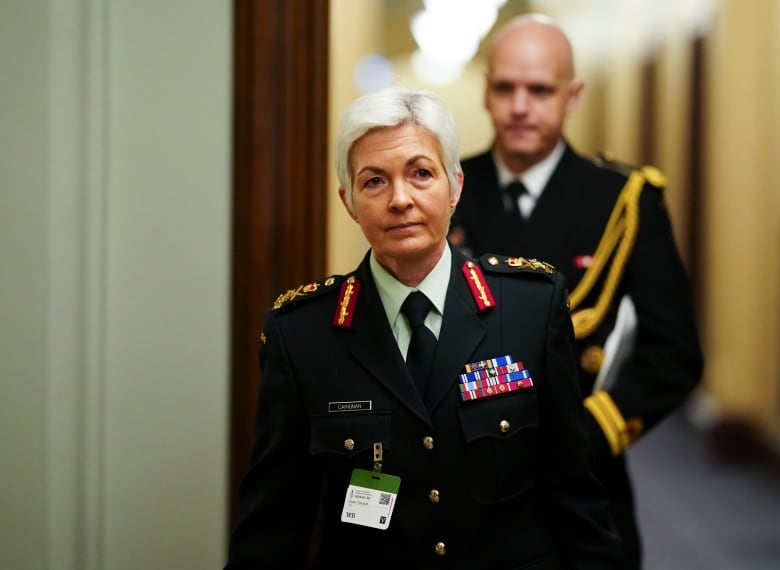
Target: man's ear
x,y
575,90
343,196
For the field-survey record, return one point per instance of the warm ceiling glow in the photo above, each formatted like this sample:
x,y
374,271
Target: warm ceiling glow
x,y
448,33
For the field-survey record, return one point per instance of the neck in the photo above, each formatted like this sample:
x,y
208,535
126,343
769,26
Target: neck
x,y
412,270
518,163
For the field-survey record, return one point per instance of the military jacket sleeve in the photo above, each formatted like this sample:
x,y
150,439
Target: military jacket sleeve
x,y
664,362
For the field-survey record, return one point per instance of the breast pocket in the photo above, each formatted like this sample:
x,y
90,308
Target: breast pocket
x,y
500,434
346,441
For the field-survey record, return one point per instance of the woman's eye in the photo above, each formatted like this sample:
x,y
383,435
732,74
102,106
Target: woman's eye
x,y
373,182
423,173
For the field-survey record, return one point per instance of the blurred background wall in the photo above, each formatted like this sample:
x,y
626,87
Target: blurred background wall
x,y
115,227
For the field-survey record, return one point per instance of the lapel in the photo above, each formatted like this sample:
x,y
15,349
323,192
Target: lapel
x,y
461,332
555,216
490,197
375,348
483,202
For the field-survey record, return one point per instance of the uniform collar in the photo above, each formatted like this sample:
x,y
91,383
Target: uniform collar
x,y
393,293
536,177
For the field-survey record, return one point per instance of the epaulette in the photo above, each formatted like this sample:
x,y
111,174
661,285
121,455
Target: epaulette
x,y
650,173
302,293
505,264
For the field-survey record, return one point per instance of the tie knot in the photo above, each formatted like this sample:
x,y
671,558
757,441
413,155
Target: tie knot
x,y
416,307
516,189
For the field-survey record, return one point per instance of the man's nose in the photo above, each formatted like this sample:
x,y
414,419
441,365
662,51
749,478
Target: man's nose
x,y
519,101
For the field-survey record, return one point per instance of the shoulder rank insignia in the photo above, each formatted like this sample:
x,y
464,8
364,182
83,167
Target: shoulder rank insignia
x,y
305,292
479,289
506,264
345,308
651,174
607,160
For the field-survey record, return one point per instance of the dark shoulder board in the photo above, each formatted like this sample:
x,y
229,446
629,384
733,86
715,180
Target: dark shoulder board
x,y
608,161
651,174
303,293
495,263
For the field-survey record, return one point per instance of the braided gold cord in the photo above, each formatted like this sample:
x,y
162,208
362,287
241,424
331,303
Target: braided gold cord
x,y
620,232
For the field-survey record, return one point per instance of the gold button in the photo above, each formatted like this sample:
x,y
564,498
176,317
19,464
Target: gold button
x,y
433,496
632,431
591,359
440,548
504,426
428,442
493,261
349,444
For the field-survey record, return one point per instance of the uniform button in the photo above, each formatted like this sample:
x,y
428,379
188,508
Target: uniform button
x,y
433,496
349,444
428,442
440,548
504,426
592,358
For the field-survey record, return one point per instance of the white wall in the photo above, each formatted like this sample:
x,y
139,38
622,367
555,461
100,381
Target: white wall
x,y
23,288
114,283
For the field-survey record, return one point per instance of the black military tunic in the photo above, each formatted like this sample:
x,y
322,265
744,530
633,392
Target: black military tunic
x,y
489,480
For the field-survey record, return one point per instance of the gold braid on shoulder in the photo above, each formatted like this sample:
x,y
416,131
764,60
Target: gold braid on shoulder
x,y
618,239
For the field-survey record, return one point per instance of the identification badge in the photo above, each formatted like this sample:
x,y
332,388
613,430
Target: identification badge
x,y
370,499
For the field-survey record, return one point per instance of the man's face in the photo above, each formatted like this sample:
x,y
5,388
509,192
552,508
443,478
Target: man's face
x,y
529,93
401,195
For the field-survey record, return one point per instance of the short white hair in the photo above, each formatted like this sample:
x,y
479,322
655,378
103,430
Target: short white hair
x,y
392,107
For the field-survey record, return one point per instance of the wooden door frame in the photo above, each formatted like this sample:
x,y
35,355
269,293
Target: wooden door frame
x,y
279,209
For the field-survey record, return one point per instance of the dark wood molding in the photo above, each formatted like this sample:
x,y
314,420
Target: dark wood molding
x,y
280,126
696,149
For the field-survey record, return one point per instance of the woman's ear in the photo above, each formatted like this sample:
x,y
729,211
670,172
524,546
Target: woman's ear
x,y
455,196
343,196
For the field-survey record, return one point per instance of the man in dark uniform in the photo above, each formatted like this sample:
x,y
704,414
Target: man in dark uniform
x,y
449,438
605,227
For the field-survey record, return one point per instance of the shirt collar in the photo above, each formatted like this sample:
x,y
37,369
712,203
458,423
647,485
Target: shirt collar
x,y
536,177
393,293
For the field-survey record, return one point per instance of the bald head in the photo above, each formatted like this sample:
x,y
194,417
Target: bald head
x,y
530,89
535,35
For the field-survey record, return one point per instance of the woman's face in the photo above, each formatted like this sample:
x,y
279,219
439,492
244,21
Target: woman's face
x,y
401,195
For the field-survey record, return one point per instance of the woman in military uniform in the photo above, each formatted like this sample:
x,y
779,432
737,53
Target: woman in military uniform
x,y
450,439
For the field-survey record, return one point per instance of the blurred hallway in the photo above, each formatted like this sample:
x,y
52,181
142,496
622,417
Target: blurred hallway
x,y
697,511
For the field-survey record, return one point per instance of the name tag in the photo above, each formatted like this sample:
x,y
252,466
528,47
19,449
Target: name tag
x,y
355,406
370,499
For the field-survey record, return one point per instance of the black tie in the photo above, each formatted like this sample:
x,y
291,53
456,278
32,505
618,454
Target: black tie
x,y
422,345
514,190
